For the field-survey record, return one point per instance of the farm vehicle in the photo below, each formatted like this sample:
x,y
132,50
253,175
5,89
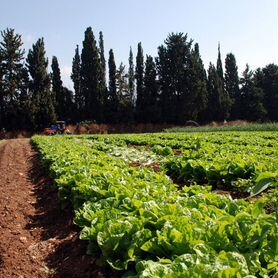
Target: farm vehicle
x,y
58,128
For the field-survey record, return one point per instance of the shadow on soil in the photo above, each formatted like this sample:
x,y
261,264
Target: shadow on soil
x,y
66,253
1,259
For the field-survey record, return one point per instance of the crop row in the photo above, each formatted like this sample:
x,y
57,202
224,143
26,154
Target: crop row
x,y
245,162
143,225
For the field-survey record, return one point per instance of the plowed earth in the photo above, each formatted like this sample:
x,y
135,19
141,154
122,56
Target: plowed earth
x,y
37,238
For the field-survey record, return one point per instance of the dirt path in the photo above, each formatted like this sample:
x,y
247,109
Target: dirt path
x,y
37,238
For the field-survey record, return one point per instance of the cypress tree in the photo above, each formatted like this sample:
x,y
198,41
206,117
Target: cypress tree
x,y
224,99
112,102
131,77
24,113
90,76
42,101
102,61
57,88
12,82
165,97
121,81
214,105
139,73
102,89
219,68
69,106
76,79
112,73
198,86
151,109
231,83
125,107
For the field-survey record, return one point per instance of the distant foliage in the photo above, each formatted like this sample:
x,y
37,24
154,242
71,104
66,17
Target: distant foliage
x,y
171,88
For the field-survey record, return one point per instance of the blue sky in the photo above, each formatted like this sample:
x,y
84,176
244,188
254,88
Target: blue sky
x,y
247,28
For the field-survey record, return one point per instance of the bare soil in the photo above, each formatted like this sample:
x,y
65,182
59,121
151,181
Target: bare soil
x,y
37,238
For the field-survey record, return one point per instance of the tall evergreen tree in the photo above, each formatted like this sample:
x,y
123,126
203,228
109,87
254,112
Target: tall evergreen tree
x,y
125,107
102,60
24,113
267,79
111,101
224,99
90,77
69,106
131,75
252,107
198,86
139,74
151,111
231,83
165,96
76,79
219,67
57,88
43,110
121,81
102,89
173,71
214,105
112,73
12,81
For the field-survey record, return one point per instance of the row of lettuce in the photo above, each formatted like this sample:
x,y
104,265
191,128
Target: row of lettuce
x,y
245,162
234,128
139,221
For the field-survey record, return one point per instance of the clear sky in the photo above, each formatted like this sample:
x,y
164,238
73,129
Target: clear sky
x,y
247,28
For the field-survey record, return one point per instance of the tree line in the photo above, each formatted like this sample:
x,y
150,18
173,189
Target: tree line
x,y
173,87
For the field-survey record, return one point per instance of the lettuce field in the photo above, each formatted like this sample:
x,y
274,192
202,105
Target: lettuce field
x,y
172,204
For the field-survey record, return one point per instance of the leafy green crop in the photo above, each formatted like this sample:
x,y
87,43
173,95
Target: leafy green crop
x,y
140,221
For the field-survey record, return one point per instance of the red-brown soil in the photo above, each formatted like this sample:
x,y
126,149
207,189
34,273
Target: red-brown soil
x,y
37,238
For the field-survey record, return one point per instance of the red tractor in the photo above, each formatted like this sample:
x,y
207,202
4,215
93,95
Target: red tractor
x,y
58,128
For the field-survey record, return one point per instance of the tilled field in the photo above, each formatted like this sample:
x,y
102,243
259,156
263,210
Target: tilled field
x,y
37,238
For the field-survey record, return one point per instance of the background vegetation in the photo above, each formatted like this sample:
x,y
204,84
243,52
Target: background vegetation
x,y
171,88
